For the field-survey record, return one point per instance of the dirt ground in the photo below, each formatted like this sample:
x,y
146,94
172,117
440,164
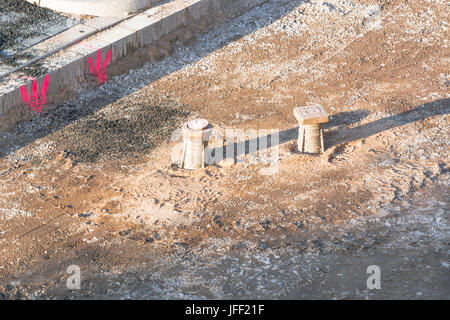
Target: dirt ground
x,y
93,182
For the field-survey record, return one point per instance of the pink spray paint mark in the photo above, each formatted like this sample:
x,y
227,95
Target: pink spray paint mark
x,y
87,45
28,78
38,99
100,70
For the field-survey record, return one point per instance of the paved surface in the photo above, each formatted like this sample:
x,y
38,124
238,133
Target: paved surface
x,y
23,25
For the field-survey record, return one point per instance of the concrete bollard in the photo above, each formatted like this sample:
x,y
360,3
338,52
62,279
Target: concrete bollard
x,y
310,132
196,134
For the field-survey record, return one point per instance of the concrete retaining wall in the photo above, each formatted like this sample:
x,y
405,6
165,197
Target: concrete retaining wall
x,y
71,68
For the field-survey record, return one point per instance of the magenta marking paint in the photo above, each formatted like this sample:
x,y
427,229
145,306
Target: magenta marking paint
x,y
38,100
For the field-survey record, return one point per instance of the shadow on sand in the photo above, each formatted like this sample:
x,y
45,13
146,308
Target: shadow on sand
x,y
239,148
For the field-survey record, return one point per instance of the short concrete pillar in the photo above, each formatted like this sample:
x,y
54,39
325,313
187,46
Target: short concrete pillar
x,y
310,132
196,134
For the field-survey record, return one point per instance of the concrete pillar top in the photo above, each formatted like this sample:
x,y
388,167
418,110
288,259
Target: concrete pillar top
x,y
311,114
198,124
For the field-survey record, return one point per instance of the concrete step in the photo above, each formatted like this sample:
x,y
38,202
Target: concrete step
x,y
69,67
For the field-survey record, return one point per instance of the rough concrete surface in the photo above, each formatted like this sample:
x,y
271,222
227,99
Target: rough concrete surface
x,y
93,183
104,8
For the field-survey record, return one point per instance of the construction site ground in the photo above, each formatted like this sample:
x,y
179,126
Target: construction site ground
x,y
92,182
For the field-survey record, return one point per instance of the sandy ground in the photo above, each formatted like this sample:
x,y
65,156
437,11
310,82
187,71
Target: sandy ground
x,y
92,183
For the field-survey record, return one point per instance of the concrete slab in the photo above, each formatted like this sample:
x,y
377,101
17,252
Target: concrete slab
x,y
69,66
59,42
114,8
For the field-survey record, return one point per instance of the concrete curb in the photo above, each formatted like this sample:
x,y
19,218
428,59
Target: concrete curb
x,y
70,68
102,8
